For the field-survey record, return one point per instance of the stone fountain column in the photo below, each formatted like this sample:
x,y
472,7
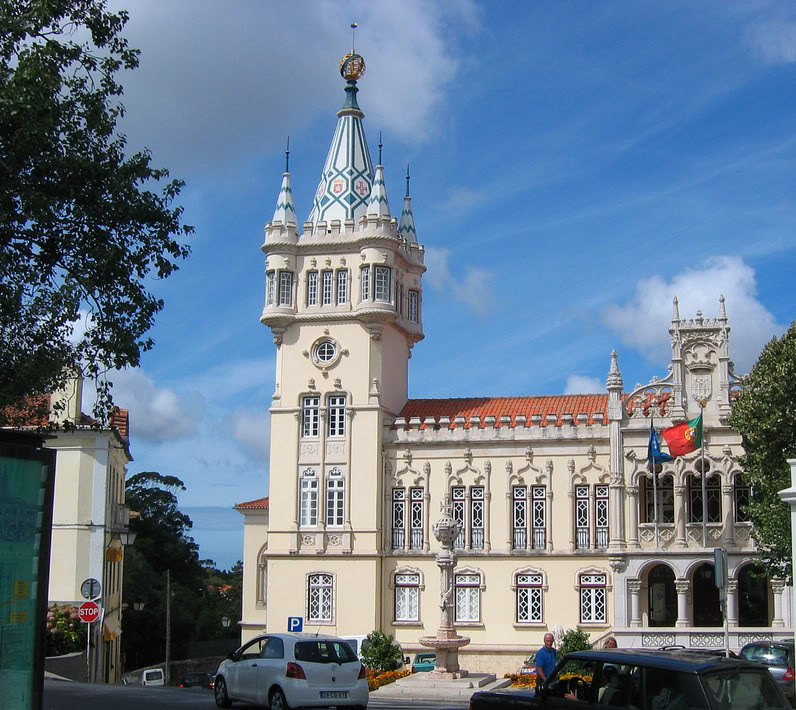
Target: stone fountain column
x,y
447,642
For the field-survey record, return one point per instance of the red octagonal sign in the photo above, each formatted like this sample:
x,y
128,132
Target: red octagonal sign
x,y
88,612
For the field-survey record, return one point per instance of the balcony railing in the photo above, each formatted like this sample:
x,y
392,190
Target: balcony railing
x,y
520,539
477,539
398,537
416,538
539,538
582,538
602,538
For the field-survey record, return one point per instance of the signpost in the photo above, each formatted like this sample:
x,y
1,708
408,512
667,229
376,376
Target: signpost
x,y
91,588
88,612
295,623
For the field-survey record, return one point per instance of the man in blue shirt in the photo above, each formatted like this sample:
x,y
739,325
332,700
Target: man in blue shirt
x,y
545,659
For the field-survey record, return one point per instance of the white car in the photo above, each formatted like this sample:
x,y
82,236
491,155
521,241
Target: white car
x,y
285,671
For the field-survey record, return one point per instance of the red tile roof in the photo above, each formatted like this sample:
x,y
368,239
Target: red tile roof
x,y
497,407
120,419
32,411
256,504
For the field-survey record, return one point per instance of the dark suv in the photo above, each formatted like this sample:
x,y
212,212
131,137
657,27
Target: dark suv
x,y
645,680
778,656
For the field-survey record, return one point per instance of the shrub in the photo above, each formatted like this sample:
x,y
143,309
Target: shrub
x,y
381,652
572,640
65,632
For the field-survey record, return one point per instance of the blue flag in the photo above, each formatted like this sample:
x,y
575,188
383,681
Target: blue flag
x,y
654,453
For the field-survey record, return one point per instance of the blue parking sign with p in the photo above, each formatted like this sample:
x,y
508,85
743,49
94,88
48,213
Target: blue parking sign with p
x,y
295,623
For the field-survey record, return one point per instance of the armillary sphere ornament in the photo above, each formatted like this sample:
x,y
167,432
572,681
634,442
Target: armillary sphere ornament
x,y
352,66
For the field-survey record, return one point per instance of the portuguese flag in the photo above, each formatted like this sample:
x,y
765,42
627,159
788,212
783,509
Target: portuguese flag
x,y
684,438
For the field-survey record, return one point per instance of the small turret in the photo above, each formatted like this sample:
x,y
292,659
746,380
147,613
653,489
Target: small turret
x,y
378,205
406,227
283,223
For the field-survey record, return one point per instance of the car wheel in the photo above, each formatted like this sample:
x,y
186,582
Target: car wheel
x,y
220,692
277,701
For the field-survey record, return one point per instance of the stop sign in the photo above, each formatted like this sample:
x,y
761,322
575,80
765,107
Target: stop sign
x,y
88,612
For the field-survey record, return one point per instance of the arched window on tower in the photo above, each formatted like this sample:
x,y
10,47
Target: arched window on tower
x,y
309,498
364,283
382,287
414,306
335,498
312,288
285,288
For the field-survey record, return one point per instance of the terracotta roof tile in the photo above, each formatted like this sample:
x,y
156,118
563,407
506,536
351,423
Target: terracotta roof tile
x,y
120,419
256,504
558,405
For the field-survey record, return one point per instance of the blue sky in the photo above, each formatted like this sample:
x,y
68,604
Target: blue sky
x,y
574,166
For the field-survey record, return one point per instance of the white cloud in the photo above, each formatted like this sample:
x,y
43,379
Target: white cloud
x,y
251,428
580,384
774,41
473,288
643,321
463,198
219,82
156,413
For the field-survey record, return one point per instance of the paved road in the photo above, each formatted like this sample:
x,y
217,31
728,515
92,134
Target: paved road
x,y
63,695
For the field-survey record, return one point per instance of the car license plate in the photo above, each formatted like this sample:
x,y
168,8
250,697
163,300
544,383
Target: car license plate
x,y
325,694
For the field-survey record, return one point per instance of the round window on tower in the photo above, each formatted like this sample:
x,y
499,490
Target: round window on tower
x,y
325,352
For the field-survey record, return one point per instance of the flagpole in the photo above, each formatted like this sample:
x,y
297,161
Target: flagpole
x,y
704,476
654,470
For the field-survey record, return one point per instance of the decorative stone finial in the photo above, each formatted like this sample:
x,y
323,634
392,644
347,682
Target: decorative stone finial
x,y
614,379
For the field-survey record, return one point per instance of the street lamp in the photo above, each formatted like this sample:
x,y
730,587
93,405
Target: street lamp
x,y
138,604
225,621
127,537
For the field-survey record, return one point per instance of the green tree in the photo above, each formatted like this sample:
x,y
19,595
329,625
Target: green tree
x,y
572,640
222,594
381,652
162,544
765,416
81,229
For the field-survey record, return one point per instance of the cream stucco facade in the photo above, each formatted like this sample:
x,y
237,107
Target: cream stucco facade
x,y
562,521
88,512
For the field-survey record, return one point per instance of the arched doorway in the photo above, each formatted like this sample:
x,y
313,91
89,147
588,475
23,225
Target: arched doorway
x,y
662,596
707,607
752,598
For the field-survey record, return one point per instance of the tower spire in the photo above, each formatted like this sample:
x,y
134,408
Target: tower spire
x,y
347,176
285,211
378,205
406,227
